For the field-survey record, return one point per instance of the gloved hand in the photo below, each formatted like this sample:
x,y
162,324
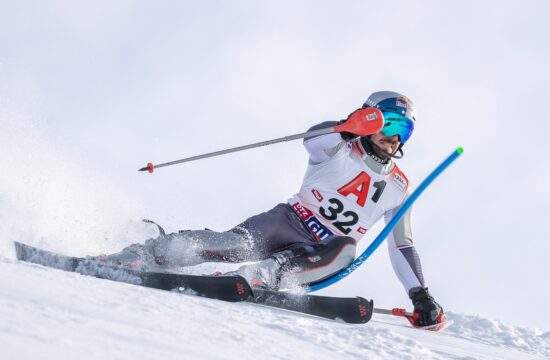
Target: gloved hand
x,y
426,310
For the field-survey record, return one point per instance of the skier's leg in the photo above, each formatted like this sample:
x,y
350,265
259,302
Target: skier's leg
x,y
254,239
301,264
192,247
275,229
186,248
311,264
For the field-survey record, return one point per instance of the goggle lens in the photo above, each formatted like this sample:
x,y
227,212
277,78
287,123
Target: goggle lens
x,y
395,124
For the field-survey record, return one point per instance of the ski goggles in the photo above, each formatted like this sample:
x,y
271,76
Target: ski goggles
x,y
396,124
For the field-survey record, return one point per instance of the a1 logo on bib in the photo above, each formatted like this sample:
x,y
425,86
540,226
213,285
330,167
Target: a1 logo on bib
x,y
360,186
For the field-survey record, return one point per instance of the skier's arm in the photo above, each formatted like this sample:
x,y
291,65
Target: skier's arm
x,y
406,265
323,147
403,255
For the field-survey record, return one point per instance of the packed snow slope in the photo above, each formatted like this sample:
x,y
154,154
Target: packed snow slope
x,y
51,314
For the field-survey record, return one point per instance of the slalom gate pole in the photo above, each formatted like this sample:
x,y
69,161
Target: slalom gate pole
x,y
389,227
361,122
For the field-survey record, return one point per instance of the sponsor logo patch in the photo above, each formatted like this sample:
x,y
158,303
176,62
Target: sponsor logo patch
x,y
370,102
317,195
302,212
314,259
318,230
404,103
399,181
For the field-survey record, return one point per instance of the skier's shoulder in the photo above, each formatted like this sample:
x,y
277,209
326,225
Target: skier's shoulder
x,y
398,181
323,148
395,188
400,177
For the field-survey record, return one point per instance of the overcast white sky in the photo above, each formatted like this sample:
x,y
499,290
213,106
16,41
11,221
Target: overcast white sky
x,y
91,91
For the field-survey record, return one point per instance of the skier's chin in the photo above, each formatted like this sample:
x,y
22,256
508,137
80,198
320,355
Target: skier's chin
x,y
382,153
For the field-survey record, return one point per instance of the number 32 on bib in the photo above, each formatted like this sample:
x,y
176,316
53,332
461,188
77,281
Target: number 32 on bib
x,y
358,202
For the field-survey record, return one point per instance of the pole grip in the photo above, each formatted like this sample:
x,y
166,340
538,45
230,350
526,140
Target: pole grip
x,y
362,122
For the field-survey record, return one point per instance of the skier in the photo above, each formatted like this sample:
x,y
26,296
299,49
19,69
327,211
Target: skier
x,y
351,182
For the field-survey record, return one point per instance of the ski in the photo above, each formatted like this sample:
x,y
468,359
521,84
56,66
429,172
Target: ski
x,y
353,310
226,288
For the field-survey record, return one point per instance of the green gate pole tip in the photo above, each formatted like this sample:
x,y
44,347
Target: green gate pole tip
x,y
460,150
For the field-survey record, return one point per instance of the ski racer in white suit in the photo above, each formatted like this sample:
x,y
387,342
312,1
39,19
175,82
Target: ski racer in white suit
x,y
350,183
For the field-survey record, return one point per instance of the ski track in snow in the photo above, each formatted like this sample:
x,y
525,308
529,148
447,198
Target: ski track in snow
x,y
51,314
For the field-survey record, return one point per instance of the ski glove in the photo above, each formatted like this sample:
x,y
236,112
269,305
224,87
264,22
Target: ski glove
x,y
426,310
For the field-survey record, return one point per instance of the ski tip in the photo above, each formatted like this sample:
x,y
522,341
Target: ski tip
x,y
460,150
18,250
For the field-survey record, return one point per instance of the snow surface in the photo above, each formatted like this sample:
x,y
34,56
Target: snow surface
x,y
51,314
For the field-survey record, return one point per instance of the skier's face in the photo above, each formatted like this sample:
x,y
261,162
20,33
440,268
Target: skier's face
x,y
389,144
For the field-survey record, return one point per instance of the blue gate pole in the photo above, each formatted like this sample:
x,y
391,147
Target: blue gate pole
x,y
389,227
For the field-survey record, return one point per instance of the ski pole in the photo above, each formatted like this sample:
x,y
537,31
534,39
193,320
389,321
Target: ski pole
x,y
394,312
389,227
361,122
